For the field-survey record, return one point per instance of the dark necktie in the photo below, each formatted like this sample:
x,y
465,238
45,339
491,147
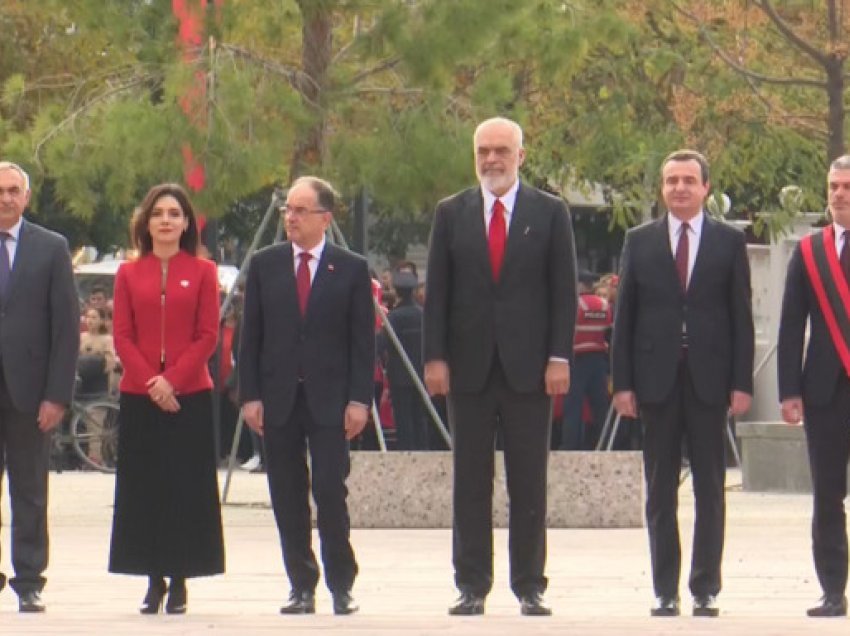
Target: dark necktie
x,y
844,258
682,256
302,281
496,238
5,264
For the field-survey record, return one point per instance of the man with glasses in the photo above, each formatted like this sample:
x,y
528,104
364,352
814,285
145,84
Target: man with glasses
x,y
305,381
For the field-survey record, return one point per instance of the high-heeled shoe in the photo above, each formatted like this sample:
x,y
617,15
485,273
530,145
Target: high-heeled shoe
x,y
177,597
152,602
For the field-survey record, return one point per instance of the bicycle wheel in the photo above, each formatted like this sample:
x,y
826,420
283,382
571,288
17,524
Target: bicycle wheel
x,y
94,435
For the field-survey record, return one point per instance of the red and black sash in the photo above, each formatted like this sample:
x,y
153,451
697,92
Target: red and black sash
x,y
830,287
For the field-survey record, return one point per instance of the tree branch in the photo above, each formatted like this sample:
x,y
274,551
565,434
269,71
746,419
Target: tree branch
x,y
740,68
784,28
386,65
293,75
84,108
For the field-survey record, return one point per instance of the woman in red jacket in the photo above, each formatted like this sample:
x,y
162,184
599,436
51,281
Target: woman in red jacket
x,y
167,519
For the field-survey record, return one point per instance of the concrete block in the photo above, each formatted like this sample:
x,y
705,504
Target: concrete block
x,y
404,489
774,457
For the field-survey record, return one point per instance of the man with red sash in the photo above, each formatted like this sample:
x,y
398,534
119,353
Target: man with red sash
x,y
818,390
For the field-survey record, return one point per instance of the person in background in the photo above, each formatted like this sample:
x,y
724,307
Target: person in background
x,y
589,381
95,367
406,320
167,518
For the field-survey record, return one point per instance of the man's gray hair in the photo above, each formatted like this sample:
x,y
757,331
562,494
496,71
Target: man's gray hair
x,y
842,163
8,165
505,121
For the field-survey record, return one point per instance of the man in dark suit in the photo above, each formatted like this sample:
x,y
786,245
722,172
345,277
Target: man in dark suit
x,y
500,308
39,342
305,380
683,357
818,390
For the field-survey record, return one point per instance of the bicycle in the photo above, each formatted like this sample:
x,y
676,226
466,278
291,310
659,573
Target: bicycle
x,y
92,433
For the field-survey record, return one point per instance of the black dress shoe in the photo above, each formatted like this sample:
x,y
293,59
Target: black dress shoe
x,y
533,605
178,597
300,602
152,602
706,605
344,603
665,606
467,604
30,602
831,605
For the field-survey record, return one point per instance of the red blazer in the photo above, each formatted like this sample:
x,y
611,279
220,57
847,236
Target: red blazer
x,y
184,327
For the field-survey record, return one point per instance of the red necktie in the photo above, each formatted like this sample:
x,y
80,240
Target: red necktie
x,y
682,256
302,281
844,258
496,238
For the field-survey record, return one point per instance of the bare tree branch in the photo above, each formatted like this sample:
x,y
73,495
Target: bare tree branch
x,y
740,68
767,7
385,65
292,74
84,108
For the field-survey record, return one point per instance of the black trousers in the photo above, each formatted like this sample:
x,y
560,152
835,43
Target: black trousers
x,y
685,417
286,445
828,437
524,420
24,453
411,429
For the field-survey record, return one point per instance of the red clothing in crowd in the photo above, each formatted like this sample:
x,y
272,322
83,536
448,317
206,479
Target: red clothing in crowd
x,y
593,321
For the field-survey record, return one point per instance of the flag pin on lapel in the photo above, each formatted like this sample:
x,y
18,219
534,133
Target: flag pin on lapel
x,y
330,267
184,283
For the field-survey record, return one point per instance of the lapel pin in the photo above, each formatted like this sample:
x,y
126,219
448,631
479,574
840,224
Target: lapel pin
x,y
184,283
330,267
527,228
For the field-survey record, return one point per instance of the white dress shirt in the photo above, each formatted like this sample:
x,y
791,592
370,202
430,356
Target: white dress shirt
x,y
12,242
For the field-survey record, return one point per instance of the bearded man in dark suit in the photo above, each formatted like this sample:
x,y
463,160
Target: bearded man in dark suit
x,y
682,357
500,309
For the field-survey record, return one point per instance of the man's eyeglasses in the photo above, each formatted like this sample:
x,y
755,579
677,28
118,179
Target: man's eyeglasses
x,y
288,209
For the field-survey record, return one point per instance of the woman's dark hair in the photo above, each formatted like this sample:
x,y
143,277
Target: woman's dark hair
x,y
102,330
140,236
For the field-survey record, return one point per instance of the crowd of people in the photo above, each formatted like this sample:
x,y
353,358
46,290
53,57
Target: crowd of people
x,y
505,329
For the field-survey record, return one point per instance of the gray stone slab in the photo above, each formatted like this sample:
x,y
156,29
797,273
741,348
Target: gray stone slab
x,y
405,489
774,457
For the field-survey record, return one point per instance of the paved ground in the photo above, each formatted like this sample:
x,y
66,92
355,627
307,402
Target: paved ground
x,y
599,578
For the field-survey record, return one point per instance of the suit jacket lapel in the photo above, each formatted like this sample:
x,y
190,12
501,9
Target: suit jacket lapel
x,y
518,227
324,273
708,227
474,211
24,253
290,288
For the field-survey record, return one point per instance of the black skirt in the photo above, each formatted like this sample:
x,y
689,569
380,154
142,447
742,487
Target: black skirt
x,y
167,518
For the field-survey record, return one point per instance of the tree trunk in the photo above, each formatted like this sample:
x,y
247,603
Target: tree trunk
x,y
836,113
316,48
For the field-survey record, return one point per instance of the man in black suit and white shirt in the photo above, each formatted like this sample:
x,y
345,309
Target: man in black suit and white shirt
x,y
817,293
682,356
39,343
306,361
500,309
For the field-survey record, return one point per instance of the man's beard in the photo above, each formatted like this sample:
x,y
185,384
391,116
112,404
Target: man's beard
x,y
497,182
